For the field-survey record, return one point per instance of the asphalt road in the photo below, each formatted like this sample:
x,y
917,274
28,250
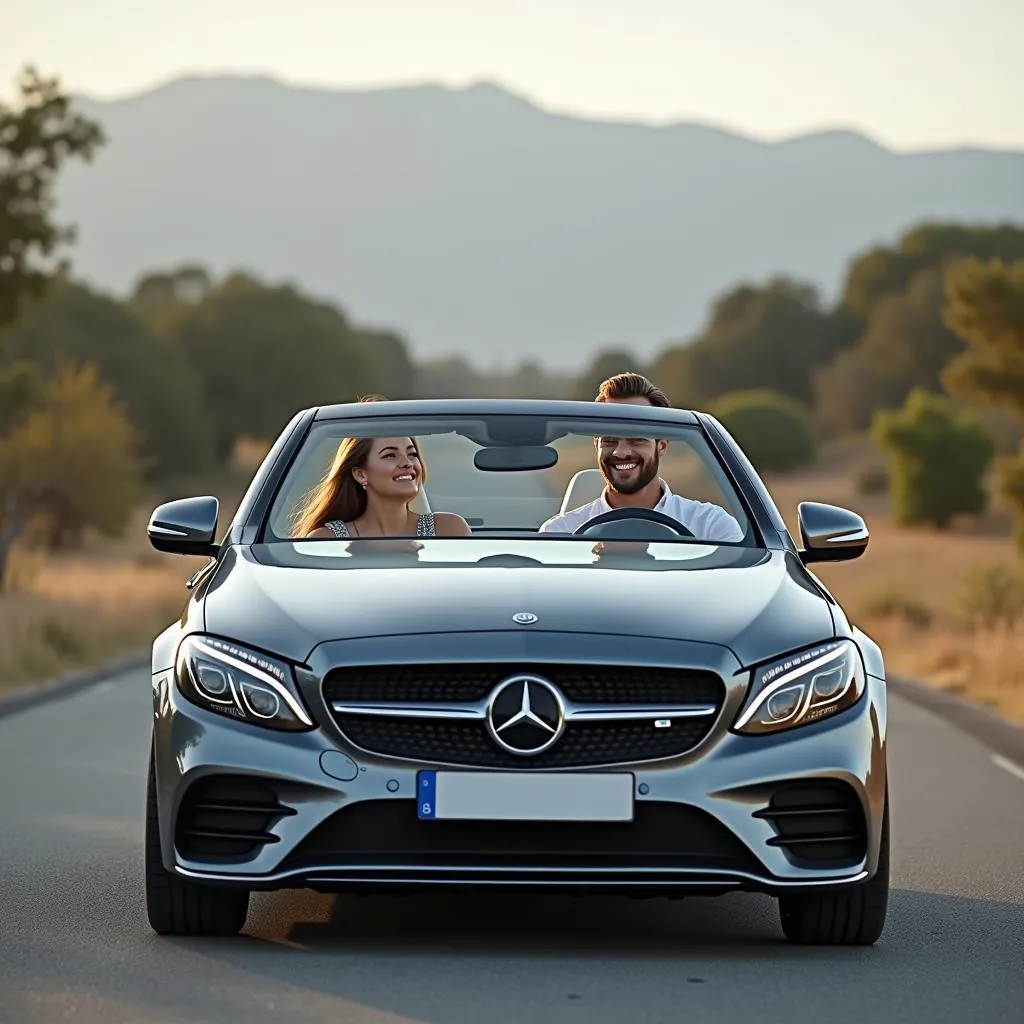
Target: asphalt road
x,y
75,944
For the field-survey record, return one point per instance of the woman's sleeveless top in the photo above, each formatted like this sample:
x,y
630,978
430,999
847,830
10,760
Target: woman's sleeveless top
x,y
424,527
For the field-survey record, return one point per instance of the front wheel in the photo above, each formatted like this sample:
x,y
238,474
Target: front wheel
x,y
179,907
849,917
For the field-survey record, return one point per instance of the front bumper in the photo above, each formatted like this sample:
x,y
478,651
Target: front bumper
x,y
350,818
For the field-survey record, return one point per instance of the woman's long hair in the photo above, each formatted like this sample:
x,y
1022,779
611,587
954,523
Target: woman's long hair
x,y
338,497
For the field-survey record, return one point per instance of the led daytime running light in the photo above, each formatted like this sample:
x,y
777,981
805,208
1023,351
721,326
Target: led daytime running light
x,y
808,668
215,654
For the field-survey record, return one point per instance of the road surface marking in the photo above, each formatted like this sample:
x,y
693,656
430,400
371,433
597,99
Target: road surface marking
x,y
1008,766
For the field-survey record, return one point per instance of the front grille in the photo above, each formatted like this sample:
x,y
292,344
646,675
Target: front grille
x,y
818,822
227,818
585,684
467,742
388,832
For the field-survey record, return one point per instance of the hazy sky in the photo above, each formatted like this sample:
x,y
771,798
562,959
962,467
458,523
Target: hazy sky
x,y
911,74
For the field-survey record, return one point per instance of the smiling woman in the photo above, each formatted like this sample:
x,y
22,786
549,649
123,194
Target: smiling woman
x,y
369,491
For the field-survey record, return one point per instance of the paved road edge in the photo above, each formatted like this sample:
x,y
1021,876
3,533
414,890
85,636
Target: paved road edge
x,y
66,685
997,733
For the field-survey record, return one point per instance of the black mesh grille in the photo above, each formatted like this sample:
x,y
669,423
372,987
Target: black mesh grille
x,y
818,822
468,743
583,744
388,832
586,684
227,818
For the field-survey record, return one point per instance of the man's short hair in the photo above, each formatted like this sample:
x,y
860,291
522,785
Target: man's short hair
x,y
631,385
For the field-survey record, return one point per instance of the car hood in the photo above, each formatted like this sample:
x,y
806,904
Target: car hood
x,y
756,603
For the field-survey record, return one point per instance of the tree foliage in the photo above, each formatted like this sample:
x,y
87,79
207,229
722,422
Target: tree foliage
x,y
986,309
69,464
772,337
776,432
22,388
261,352
148,374
607,363
161,296
938,458
38,135
386,362
883,271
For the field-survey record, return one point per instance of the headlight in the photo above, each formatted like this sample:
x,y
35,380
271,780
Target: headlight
x,y
803,688
243,684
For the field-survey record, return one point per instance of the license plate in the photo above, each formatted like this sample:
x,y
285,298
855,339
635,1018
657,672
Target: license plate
x,y
525,796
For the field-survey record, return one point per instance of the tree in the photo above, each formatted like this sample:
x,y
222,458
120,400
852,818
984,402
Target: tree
x,y
605,364
37,136
261,352
161,296
72,462
388,364
938,458
21,392
772,336
986,309
448,377
775,431
883,271
849,390
905,344
149,374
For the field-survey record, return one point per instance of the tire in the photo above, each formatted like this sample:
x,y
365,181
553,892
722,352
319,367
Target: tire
x,y
179,907
849,917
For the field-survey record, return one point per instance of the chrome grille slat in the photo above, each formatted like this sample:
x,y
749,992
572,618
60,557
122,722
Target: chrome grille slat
x,y
573,712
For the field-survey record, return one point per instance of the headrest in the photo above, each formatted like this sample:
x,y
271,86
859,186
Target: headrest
x,y
584,487
420,504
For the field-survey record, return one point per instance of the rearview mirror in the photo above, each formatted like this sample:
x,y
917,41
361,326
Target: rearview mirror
x,y
186,526
515,460
830,533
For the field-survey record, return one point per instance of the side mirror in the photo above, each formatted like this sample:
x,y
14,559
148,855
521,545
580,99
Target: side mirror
x,y
830,533
186,526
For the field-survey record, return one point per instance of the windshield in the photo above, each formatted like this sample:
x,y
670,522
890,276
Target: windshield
x,y
522,477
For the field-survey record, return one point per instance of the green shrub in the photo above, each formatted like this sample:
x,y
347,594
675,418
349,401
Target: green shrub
x,y
776,432
937,459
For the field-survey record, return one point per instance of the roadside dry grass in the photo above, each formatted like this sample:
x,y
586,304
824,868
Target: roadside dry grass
x,y
909,591
921,592
76,610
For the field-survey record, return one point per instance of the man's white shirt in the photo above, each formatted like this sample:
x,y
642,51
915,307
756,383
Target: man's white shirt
x,y
704,520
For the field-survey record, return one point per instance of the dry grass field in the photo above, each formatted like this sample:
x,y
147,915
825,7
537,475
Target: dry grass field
x,y
912,591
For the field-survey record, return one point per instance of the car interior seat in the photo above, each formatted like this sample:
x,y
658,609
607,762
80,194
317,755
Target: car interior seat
x,y
420,504
584,487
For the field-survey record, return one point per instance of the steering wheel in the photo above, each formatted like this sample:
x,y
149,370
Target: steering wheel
x,y
616,515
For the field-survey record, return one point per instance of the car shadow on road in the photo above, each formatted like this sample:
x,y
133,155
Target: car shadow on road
x,y
944,947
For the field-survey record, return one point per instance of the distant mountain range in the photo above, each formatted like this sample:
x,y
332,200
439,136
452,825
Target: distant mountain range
x,y
471,220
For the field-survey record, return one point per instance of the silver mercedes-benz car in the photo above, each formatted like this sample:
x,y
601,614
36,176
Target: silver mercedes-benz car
x,y
571,693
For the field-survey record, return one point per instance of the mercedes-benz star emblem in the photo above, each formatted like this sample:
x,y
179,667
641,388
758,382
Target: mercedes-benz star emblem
x,y
525,715
524,618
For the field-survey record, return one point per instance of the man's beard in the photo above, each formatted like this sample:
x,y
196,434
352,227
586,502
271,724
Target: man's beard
x,y
648,471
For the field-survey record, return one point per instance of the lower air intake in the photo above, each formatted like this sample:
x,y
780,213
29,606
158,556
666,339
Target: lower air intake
x,y
227,818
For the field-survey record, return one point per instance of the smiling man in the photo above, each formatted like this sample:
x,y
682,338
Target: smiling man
x,y
630,467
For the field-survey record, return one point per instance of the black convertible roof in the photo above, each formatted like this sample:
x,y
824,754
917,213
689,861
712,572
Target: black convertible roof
x,y
619,411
